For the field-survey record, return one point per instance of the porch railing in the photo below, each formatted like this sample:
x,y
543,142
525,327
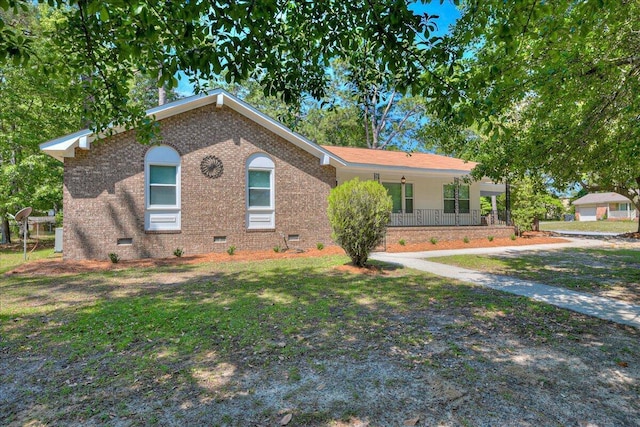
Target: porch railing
x,y
438,217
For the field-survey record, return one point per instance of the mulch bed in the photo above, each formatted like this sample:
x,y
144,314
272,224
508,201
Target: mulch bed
x,y
59,266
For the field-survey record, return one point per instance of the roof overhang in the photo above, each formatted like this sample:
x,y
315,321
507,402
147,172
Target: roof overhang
x,y
488,188
367,167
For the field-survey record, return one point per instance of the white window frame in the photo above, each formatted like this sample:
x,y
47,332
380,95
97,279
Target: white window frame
x,y
162,217
403,195
261,217
444,199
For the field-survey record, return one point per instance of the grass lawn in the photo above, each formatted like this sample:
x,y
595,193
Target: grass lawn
x,y
248,343
601,226
607,272
13,255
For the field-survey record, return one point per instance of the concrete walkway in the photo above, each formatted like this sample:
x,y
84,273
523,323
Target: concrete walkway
x,y
603,308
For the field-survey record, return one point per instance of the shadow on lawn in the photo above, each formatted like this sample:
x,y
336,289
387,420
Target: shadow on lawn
x,y
237,345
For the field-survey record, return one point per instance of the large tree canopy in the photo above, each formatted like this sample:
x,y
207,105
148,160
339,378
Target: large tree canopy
x,y
548,88
284,44
34,106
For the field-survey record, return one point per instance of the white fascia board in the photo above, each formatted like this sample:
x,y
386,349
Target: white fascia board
x,y
492,186
367,167
182,105
65,146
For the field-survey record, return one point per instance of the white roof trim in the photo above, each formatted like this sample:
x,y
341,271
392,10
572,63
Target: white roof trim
x,y
65,146
407,169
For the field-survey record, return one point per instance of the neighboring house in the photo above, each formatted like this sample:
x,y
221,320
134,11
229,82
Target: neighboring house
x,y
596,206
224,174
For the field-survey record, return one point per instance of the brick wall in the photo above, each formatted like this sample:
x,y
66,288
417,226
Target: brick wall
x,y
424,234
104,191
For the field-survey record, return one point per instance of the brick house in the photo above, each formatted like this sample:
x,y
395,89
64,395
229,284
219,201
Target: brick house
x,y
597,206
224,174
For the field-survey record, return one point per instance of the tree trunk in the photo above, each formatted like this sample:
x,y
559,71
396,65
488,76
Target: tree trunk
x,y
6,231
162,95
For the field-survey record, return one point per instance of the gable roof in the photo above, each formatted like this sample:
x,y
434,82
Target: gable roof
x,y
367,158
65,146
339,157
594,198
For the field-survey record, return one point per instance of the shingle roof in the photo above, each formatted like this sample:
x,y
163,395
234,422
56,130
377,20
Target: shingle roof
x,y
594,198
367,156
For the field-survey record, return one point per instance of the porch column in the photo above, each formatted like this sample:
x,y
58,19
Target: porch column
x,y
494,209
507,202
456,198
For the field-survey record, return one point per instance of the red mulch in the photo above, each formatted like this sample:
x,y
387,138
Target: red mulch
x,y
531,238
58,266
633,235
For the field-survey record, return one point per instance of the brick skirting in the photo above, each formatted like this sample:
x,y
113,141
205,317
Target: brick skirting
x,y
424,234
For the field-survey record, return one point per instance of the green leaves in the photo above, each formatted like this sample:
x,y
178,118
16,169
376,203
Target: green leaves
x,y
550,89
359,212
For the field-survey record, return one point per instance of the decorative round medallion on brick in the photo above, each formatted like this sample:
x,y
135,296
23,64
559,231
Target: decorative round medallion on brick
x,y
211,167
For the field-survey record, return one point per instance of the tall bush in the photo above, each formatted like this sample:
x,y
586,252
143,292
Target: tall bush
x,y
359,212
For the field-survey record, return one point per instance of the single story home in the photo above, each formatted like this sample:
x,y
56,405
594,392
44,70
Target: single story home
x,y
224,174
597,206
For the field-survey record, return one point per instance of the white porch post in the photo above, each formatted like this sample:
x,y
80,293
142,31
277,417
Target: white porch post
x,y
494,209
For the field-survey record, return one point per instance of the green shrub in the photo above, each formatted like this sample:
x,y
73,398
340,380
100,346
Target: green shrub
x,y
513,237
359,212
402,242
231,250
466,239
277,249
320,246
114,257
490,238
178,252
433,240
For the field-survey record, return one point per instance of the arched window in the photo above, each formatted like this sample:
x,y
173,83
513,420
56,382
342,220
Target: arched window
x,y
260,192
162,189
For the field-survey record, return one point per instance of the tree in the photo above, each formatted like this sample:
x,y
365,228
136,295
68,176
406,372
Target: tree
x,y
531,202
553,88
285,45
35,104
145,92
334,121
389,117
359,212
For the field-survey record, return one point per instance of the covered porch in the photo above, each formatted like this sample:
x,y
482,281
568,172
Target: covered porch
x,y
438,200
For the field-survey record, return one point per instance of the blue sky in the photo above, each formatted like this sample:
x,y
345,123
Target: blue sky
x,y
445,9
447,13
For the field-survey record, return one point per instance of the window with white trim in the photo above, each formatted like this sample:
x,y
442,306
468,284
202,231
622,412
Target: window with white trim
x,y
162,189
450,198
260,192
401,196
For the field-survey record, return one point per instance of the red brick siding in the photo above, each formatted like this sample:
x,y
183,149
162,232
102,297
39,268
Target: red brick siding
x,y
424,234
104,191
